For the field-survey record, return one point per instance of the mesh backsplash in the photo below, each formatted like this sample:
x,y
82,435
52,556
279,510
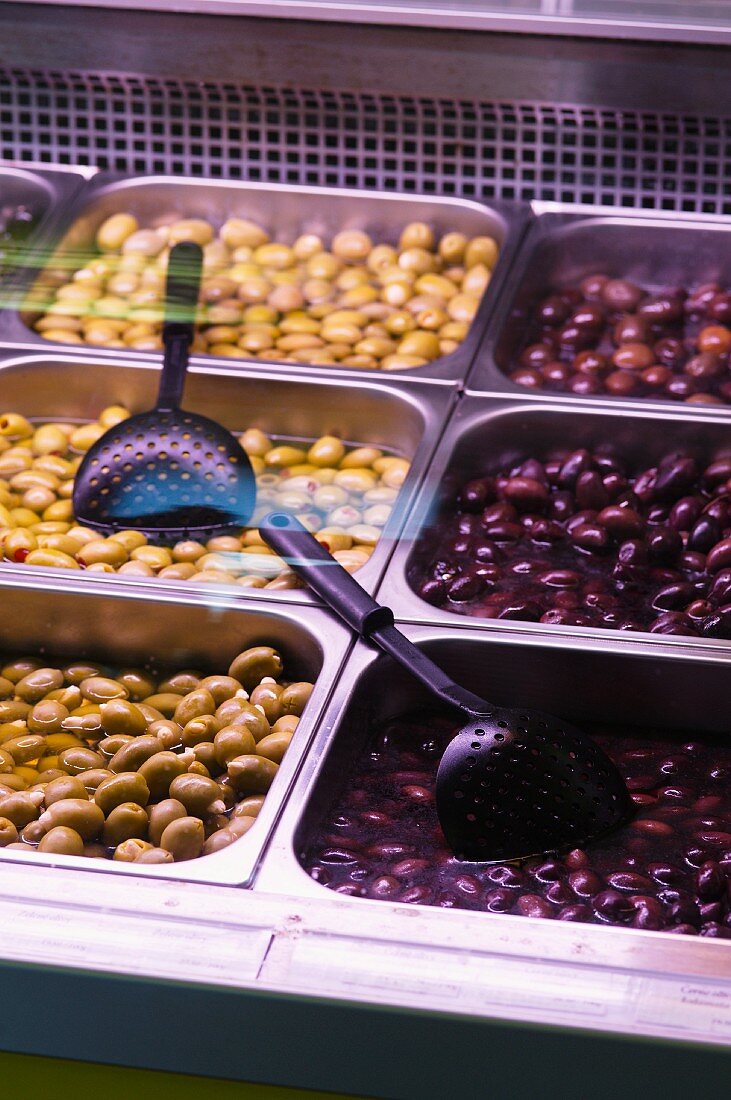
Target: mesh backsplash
x,y
515,150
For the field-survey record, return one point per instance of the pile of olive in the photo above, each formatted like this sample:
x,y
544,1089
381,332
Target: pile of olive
x,y
344,495
136,768
350,303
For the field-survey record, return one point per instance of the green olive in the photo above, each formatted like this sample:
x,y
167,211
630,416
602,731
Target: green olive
x,y
223,837
295,697
94,777
221,687
268,697
67,786
130,850
152,714
162,814
23,749
163,702
7,763
181,683
205,753
7,687
76,813
62,840
33,832
12,782
16,670
168,733
154,855
228,711
254,721
139,684
78,671
13,710
160,770
285,724
125,787
233,741
8,832
275,745
87,724
132,755
251,666
183,838
109,746
198,794
241,824
33,687
47,717
203,728
100,689
252,774
69,697
126,820
20,807
74,761
249,807
121,716
194,705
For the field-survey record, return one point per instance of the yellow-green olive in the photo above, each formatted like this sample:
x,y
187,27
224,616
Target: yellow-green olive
x,y
23,749
125,787
20,667
168,733
100,689
11,710
154,855
78,760
126,820
130,850
8,832
183,838
286,723
76,813
248,807
67,786
133,754
7,687
33,687
160,770
267,696
78,671
87,725
121,716
163,702
20,807
295,697
193,705
33,832
232,741
139,684
94,777
198,794
251,666
205,753
221,687
7,763
181,683
47,716
274,746
108,746
62,840
161,816
251,774
200,729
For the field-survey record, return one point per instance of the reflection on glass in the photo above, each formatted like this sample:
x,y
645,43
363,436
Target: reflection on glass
x,y
663,11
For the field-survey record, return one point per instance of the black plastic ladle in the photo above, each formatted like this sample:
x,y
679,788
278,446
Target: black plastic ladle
x,y
168,473
513,782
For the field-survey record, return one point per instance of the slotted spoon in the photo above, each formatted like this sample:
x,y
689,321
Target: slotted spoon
x,y
513,782
168,473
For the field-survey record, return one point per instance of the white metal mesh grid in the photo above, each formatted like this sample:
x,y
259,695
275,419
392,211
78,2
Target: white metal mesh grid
x,y
510,150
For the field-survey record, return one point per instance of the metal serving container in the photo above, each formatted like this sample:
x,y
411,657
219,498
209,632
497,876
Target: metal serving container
x,y
685,690
286,212
82,620
486,433
565,243
402,417
47,193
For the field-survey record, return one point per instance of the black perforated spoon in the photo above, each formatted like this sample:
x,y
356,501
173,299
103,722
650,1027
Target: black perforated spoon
x,y
513,782
168,473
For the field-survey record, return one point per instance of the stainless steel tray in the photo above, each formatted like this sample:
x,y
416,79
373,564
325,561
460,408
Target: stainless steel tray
x,y
402,417
79,619
563,244
289,211
47,192
486,432
683,690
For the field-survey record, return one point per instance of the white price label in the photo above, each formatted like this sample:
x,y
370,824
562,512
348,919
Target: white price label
x,y
135,944
686,1007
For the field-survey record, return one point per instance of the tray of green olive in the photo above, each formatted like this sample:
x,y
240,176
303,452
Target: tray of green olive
x,y
161,762
344,459
314,278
